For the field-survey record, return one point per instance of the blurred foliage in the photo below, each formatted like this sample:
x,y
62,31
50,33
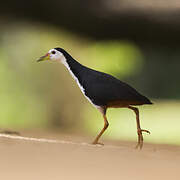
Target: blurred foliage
x,y
144,22
43,95
37,93
32,94
119,58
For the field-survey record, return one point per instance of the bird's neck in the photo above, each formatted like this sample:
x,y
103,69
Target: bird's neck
x,y
74,67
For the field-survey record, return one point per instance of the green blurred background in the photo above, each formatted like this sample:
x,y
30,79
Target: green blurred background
x,y
136,42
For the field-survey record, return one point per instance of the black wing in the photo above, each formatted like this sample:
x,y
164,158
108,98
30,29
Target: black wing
x,y
103,88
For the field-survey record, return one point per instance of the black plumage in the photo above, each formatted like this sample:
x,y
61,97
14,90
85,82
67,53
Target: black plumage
x,y
102,88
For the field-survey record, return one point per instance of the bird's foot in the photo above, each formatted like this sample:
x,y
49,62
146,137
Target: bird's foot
x,y
144,130
97,143
140,138
139,145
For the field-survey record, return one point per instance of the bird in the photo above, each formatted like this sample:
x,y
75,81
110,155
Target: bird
x,y
102,90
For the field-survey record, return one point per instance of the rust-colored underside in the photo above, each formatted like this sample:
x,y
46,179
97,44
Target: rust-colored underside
x,y
118,104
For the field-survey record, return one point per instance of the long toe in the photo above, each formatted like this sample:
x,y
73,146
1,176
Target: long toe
x,y
144,130
139,145
97,143
140,139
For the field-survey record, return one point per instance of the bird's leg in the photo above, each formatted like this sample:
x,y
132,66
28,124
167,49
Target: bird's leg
x,y
106,124
139,130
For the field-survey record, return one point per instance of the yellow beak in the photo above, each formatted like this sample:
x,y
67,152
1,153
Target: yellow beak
x,y
44,58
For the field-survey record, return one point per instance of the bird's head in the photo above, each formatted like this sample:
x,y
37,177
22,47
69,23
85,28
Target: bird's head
x,y
56,54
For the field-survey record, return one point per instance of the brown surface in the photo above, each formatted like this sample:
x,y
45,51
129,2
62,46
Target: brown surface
x,y
30,160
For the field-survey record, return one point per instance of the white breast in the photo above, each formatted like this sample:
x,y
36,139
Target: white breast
x,y
63,61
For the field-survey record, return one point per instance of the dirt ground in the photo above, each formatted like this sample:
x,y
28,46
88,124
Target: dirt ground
x,y
71,158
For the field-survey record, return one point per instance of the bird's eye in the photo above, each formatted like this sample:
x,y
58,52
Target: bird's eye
x,y
53,52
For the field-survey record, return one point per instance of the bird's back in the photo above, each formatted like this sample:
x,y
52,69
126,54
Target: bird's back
x,y
104,89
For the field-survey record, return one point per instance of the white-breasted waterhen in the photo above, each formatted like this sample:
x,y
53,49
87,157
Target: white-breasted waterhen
x,y
101,89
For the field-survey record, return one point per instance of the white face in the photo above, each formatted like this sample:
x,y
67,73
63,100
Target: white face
x,y
55,55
